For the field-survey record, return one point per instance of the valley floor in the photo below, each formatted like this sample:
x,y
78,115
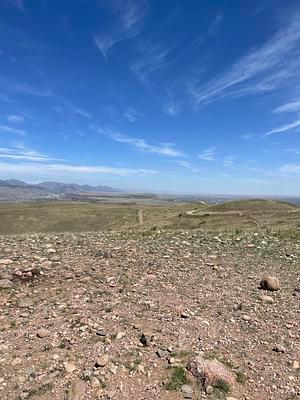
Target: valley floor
x,y
74,307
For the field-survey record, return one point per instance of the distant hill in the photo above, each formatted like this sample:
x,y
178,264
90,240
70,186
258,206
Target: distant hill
x,y
253,205
73,188
16,190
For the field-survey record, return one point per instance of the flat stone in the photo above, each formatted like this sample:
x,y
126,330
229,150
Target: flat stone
x,y
76,391
69,367
16,361
296,365
266,299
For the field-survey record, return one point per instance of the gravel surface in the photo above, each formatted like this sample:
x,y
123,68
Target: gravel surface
x,y
116,316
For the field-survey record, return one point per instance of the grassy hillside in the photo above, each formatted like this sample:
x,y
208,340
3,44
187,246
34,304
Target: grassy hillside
x,y
254,205
79,217
82,217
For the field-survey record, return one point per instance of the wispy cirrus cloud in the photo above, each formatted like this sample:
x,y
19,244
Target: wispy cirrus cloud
x,y
152,59
215,25
165,149
208,154
292,106
171,107
130,15
58,171
131,114
284,128
80,111
263,69
9,129
15,118
187,165
24,153
229,161
290,169
32,90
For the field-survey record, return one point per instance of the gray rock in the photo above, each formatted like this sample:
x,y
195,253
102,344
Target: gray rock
x,y
279,348
187,391
146,339
162,353
6,284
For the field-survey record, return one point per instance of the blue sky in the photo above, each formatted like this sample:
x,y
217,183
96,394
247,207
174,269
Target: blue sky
x,y
150,95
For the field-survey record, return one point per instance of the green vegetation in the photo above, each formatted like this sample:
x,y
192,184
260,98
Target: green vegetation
x,y
177,379
241,377
221,387
269,216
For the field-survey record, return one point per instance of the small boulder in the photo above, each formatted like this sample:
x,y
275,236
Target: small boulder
x,y
210,372
279,348
76,391
69,367
5,284
270,283
187,391
42,333
101,361
6,261
146,339
266,299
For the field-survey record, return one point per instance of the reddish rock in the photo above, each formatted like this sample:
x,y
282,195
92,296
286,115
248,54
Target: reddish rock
x,y
210,372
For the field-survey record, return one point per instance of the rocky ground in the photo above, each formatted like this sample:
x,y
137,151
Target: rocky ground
x,y
122,316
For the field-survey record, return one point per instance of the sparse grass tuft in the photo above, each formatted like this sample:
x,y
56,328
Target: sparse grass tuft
x,y
221,386
178,378
241,377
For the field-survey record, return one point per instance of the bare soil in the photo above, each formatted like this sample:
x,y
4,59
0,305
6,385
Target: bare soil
x,y
76,301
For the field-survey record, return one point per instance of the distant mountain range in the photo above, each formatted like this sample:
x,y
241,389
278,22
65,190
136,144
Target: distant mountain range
x,y
16,190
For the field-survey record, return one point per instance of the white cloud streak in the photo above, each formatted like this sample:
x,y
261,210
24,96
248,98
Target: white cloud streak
x,y
171,107
284,128
35,169
290,169
22,152
215,24
33,91
131,114
187,165
15,118
228,161
262,69
292,106
80,112
165,149
8,129
208,154
152,60
130,15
